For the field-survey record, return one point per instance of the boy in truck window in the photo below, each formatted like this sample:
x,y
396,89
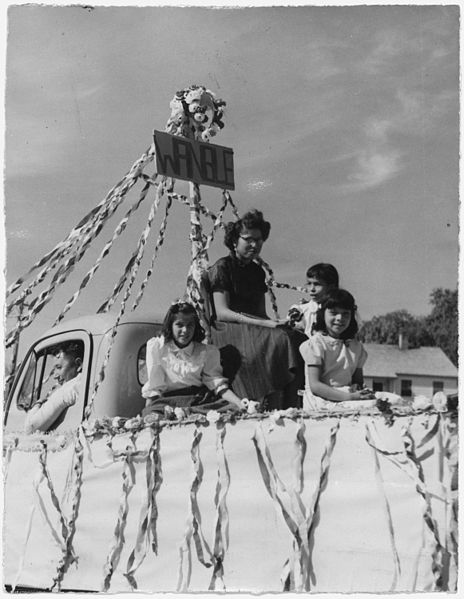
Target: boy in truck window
x,y
68,372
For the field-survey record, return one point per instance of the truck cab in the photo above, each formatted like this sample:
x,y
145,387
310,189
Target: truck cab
x,y
119,394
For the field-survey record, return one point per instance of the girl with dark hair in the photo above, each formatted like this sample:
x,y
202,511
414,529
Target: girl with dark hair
x,y
334,358
270,368
183,371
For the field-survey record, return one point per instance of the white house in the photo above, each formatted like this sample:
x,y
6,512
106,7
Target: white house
x,y
409,372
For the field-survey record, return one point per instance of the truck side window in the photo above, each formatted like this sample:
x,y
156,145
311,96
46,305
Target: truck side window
x,y
25,397
142,365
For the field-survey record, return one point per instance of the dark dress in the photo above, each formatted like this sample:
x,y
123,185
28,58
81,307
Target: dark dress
x,y
267,363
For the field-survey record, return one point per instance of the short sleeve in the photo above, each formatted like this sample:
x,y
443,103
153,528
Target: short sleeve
x,y
156,382
212,375
312,352
220,277
362,357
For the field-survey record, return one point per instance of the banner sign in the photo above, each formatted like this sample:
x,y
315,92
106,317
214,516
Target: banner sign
x,y
203,163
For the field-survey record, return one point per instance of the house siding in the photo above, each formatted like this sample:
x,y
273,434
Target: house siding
x,y
421,385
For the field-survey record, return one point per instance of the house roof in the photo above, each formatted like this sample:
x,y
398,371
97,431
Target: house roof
x,y
389,361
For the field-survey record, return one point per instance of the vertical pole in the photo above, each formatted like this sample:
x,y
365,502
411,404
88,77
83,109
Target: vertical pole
x,y
199,263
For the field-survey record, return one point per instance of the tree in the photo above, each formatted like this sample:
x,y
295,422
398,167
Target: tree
x,y
438,329
386,329
442,322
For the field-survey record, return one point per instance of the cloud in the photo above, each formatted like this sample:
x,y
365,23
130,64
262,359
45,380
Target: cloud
x,y
374,168
19,234
256,185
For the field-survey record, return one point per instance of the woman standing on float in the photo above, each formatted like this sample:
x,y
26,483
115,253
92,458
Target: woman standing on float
x,y
271,369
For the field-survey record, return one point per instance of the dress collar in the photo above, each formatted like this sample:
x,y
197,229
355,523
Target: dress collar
x,y
179,351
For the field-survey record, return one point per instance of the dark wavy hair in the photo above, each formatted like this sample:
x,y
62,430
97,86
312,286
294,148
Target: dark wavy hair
x,y
337,298
181,307
324,272
253,219
73,349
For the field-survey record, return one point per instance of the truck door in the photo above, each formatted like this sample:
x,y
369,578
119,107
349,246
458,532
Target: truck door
x,y
36,382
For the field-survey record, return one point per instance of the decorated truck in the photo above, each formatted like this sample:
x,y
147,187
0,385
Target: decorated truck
x,y
287,500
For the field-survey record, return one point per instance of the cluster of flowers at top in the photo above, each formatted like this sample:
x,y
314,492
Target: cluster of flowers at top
x,y
196,111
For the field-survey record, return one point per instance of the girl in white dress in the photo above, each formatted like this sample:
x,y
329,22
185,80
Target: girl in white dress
x,y
334,358
183,371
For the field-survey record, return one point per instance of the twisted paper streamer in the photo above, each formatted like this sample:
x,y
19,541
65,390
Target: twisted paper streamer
x,y
297,569
193,528
439,551
148,513
68,557
134,261
269,283
407,461
54,498
93,224
133,273
159,243
128,482
109,244
391,531
221,536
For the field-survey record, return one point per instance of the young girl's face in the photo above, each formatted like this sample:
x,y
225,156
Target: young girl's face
x,y
316,288
337,320
183,329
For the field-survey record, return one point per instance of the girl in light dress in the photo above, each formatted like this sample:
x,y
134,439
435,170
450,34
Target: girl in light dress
x,y
183,371
334,358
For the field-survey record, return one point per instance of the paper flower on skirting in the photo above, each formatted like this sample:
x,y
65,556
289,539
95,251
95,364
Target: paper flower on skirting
x,y
440,401
151,418
179,413
392,398
212,416
197,111
421,402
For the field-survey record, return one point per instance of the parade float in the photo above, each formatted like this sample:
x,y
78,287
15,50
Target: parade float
x,y
291,500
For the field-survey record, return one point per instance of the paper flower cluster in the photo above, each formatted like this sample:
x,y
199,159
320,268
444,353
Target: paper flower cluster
x,y
195,111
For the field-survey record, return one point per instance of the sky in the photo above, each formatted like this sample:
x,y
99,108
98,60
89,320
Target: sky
x,y
344,121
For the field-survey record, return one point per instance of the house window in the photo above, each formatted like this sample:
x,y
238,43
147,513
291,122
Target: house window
x,y
377,386
406,387
437,386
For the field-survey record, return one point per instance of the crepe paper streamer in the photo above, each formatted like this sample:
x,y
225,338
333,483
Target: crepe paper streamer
x,y
293,514
135,259
68,557
138,255
407,461
8,452
391,531
301,289
128,481
439,551
54,498
217,223
269,284
148,513
86,234
193,527
22,551
227,195
117,232
128,478
159,243
221,536
76,232
300,454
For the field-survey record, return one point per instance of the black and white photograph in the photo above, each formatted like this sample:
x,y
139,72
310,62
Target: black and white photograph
x,y
230,282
